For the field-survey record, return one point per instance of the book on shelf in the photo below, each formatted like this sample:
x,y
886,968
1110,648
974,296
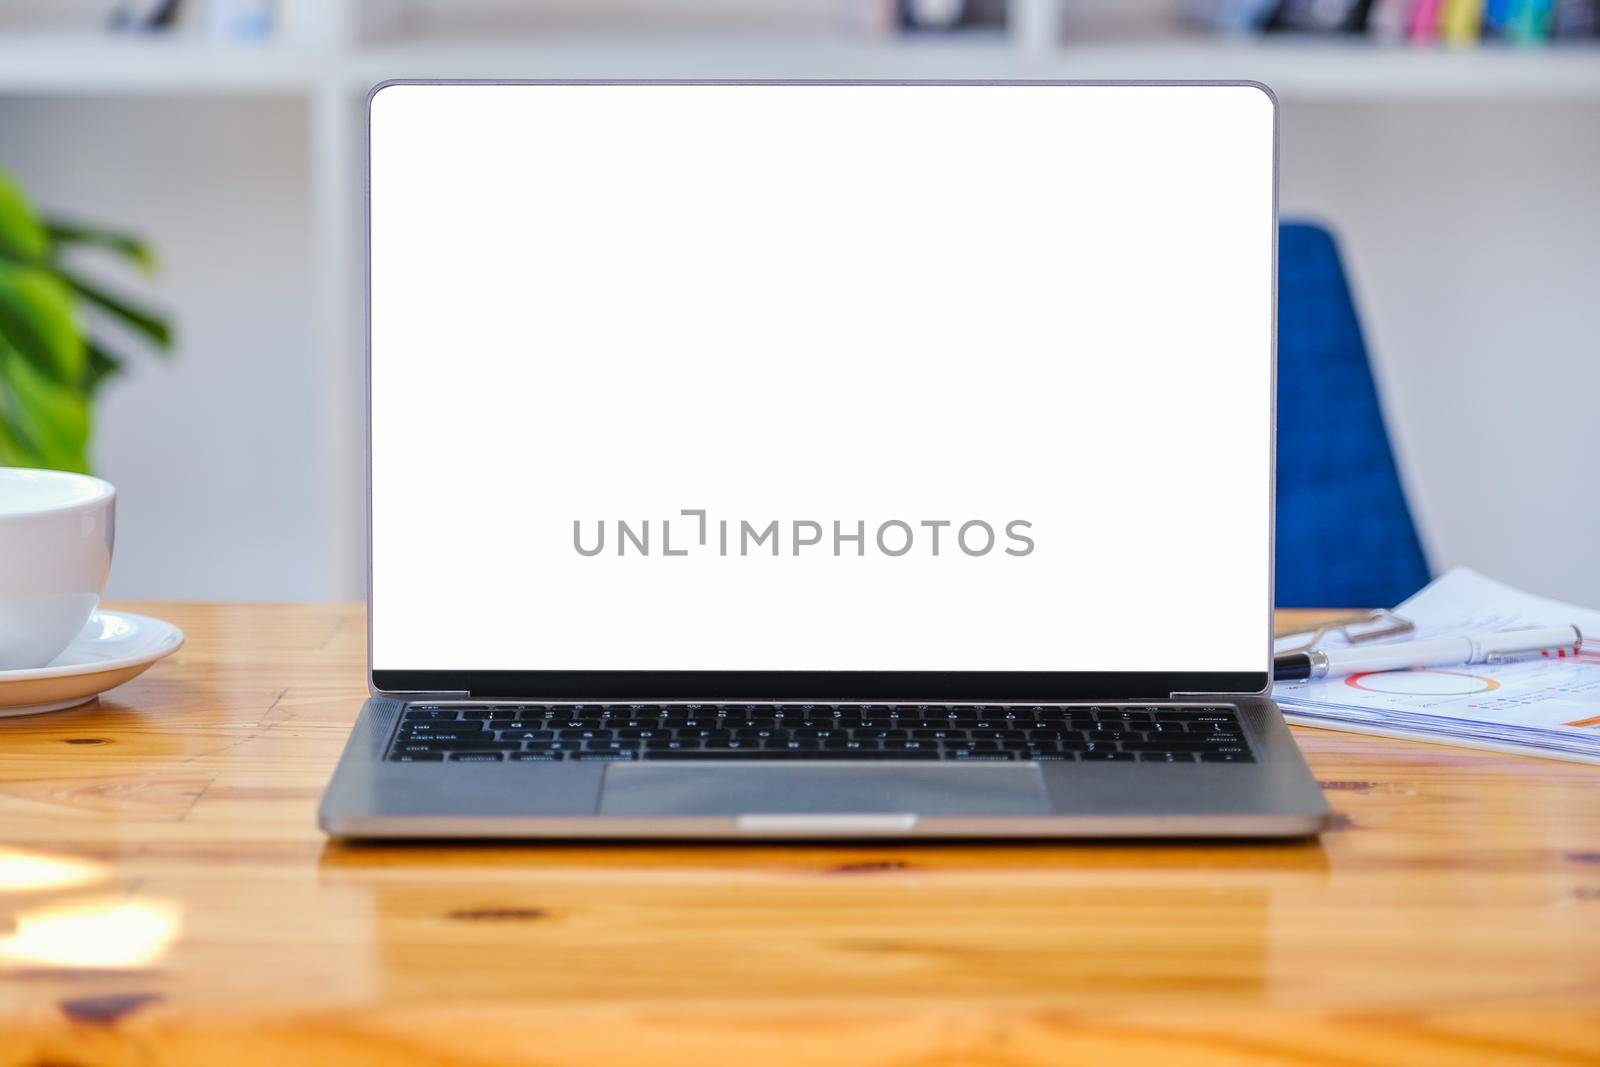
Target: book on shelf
x,y
1451,22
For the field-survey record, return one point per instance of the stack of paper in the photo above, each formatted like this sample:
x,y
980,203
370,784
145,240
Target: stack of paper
x,y
1544,706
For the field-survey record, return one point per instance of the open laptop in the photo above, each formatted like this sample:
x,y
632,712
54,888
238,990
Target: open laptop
x,y
828,460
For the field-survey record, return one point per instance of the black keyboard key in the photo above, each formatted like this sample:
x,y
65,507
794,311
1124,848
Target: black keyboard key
x,y
416,757
1165,746
1226,757
1166,757
435,744
476,757
1124,715
460,740
604,757
1106,755
537,757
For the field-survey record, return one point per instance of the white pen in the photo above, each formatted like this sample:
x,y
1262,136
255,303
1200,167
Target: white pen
x,y
1444,652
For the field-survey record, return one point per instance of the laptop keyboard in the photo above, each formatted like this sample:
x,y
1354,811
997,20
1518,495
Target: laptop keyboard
x,y
545,733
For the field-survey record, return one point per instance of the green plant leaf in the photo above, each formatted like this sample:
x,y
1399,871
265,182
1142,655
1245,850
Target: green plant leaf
x,y
100,365
49,370
47,420
22,236
12,451
152,326
62,233
36,318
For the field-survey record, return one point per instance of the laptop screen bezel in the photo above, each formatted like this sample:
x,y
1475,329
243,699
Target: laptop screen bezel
x,y
865,686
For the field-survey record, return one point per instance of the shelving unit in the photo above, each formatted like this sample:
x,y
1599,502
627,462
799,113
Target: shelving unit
x,y
32,63
1296,69
320,60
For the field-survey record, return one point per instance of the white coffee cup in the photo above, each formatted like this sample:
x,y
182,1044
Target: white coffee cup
x,y
56,532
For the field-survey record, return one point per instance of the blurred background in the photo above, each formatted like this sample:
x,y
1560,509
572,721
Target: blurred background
x,y
1452,148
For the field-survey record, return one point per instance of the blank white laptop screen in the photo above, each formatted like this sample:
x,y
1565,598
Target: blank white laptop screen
x,y
788,377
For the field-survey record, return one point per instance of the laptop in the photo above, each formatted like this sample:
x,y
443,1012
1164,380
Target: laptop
x,y
766,460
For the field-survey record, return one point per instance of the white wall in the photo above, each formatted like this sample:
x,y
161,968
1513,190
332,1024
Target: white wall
x,y
1472,232
217,454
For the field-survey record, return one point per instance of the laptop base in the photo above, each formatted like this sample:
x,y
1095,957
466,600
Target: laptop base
x,y
373,797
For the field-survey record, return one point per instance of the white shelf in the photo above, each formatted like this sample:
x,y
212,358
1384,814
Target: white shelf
x,y
1296,69
82,65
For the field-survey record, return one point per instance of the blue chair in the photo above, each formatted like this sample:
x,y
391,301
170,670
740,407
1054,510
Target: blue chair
x,y
1345,534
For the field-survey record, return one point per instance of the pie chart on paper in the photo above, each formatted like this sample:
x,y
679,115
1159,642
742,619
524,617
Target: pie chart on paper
x,y
1422,683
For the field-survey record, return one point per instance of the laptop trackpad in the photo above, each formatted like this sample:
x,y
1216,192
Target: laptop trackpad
x,y
786,788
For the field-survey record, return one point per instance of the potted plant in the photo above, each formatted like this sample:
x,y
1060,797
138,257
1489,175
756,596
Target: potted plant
x,y
51,366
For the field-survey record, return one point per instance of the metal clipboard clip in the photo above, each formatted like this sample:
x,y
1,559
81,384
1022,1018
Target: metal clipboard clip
x,y
1356,629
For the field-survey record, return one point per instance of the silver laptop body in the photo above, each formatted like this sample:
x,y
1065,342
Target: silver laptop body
x,y
764,460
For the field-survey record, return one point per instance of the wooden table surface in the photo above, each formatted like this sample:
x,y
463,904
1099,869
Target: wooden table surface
x,y
166,898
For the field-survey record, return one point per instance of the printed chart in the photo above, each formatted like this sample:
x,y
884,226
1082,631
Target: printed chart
x,y
1422,682
1541,705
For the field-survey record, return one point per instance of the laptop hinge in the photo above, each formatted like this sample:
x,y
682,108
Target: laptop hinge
x,y
429,694
1204,696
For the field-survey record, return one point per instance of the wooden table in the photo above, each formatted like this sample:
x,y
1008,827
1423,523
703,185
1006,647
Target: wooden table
x,y
165,898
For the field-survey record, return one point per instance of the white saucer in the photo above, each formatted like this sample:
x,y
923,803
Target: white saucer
x,y
113,647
